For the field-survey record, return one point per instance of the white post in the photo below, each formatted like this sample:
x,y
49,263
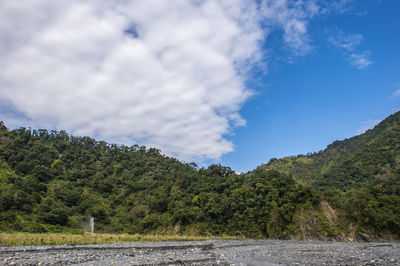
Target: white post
x,y
92,224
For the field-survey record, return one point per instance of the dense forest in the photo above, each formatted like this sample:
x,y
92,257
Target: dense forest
x,y
371,158
51,181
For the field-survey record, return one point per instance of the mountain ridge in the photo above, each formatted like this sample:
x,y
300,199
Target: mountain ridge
x,y
372,157
51,181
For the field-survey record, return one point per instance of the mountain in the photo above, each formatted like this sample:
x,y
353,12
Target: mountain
x,y
369,158
51,181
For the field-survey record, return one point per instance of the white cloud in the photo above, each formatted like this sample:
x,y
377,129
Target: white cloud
x,y
292,17
342,6
167,74
396,93
347,44
360,61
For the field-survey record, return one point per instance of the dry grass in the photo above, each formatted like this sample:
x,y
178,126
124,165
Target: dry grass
x,y
12,239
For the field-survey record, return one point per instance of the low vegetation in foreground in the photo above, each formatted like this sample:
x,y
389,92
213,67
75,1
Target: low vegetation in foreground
x,y
13,239
52,182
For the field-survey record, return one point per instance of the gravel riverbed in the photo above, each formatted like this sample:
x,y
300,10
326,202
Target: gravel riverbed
x,y
208,252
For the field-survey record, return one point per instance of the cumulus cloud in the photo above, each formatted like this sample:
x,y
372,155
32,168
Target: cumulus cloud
x,y
167,74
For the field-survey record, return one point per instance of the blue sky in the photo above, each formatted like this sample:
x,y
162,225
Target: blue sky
x,y
235,82
321,97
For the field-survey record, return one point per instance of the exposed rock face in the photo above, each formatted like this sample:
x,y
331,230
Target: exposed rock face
x,y
325,223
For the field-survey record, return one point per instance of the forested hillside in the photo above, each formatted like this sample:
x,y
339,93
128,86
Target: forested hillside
x,y
52,181
369,158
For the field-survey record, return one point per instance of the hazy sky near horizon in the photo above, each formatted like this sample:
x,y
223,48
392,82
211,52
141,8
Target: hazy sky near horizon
x,y
235,82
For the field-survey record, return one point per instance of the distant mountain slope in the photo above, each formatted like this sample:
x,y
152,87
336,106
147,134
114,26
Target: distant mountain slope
x,y
372,157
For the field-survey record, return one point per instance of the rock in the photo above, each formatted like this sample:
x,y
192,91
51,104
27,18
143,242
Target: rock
x,y
223,252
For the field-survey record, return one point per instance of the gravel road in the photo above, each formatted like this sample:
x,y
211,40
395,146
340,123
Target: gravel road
x,y
209,252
